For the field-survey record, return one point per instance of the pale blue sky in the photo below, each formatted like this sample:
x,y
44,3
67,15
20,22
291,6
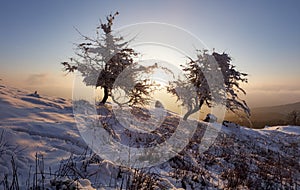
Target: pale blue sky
x,y
261,36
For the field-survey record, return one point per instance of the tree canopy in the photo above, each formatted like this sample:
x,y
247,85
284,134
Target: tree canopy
x,y
200,92
102,59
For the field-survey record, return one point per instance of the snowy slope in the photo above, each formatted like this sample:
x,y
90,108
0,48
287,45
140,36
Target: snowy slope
x,y
39,134
31,125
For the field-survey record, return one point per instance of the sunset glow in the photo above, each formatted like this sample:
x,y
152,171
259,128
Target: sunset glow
x,y
261,37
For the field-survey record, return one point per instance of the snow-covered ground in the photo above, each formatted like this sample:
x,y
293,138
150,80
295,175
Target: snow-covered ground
x,y
41,145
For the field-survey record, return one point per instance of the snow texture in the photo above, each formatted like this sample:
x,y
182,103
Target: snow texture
x,y
36,128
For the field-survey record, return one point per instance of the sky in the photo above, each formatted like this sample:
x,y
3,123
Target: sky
x,y
262,37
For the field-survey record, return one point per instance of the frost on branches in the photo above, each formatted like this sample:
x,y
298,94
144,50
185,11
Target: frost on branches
x,y
102,59
196,90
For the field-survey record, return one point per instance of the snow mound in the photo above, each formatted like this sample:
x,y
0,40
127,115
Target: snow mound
x,y
293,130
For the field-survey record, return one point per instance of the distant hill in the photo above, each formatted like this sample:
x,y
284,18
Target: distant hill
x,y
271,115
279,109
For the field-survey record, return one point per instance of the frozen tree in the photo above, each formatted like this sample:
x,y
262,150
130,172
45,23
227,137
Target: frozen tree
x,y
196,91
293,117
102,59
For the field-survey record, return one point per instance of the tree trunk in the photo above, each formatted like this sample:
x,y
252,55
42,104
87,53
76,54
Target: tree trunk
x,y
192,111
105,97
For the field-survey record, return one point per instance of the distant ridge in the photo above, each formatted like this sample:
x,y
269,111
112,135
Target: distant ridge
x,y
268,115
295,105
282,109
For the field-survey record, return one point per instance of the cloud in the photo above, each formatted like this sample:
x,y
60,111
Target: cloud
x,y
37,79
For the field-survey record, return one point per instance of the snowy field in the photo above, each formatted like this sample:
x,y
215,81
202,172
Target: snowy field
x,y
41,147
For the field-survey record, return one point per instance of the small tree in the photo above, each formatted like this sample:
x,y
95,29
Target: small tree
x,y
204,92
102,59
293,117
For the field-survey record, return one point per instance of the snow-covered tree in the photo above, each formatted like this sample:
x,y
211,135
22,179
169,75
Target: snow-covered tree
x,y
196,90
102,59
293,117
